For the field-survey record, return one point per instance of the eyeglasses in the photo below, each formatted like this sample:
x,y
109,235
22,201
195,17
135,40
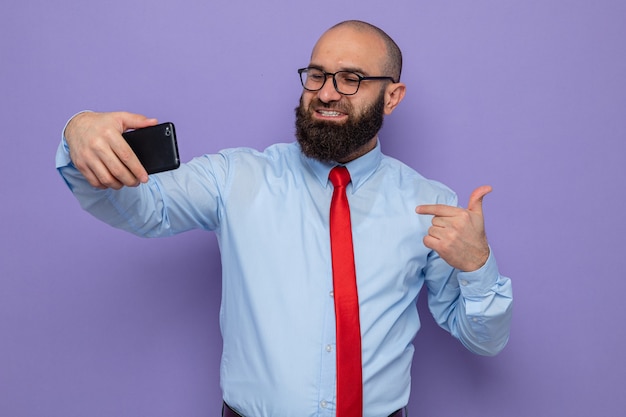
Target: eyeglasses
x,y
345,82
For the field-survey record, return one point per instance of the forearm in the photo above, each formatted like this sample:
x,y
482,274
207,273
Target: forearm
x,y
134,209
163,206
483,315
475,307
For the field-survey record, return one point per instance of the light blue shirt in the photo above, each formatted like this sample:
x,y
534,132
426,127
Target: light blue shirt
x,y
270,213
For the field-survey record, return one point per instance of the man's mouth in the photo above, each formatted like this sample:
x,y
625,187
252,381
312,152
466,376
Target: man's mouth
x,y
329,114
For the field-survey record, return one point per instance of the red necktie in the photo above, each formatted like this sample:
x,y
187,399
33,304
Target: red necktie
x,y
349,374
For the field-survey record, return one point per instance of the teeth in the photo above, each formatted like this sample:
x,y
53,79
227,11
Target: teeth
x,y
329,113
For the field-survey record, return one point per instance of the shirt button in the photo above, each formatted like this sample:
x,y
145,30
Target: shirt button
x,y
464,282
323,404
329,348
474,319
332,293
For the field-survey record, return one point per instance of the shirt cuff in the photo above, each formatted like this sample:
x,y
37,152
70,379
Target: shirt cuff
x,y
481,281
63,151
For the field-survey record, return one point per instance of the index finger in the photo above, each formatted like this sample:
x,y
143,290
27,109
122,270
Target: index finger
x,y
440,210
131,171
123,150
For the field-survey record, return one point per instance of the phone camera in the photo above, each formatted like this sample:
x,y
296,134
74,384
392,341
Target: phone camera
x,y
168,131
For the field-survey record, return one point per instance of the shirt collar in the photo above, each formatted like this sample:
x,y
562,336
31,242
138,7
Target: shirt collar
x,y
360,169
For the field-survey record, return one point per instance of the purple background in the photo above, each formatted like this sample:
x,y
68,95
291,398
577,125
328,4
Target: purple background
x,y
528,96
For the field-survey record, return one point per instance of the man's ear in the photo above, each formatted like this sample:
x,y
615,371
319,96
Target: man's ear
x,y
394,93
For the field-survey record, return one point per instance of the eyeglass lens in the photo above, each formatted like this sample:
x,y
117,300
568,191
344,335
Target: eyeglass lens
x,y
346,82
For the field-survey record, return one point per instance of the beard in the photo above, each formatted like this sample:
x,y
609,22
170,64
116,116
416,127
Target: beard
x,y
329,141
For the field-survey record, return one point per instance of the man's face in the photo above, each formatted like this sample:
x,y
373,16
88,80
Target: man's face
x,y
334,127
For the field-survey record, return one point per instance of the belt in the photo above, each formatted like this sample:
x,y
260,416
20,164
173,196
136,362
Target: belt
x,y
229,412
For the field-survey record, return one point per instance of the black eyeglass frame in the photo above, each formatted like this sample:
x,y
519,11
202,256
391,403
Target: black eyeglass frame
x,y
333,74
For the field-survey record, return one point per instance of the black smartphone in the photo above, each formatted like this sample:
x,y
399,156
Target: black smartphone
x,y
155,146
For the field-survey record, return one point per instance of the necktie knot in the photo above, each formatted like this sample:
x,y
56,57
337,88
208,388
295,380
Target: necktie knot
x,y
339,176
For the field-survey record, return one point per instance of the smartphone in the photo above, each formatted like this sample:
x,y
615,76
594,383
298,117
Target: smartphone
x,y
155,146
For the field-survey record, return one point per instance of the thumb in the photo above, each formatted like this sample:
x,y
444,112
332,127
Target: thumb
x,y
476,199
134,121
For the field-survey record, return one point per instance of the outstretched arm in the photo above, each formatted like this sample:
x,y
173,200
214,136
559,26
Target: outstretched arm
x,y
110,183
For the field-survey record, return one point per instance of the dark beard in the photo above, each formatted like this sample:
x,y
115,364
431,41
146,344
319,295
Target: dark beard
x,y
328,141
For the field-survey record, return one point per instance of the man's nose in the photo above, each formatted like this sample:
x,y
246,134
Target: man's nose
x,y
328,93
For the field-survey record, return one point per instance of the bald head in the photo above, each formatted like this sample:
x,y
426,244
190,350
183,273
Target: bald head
x,y
393,57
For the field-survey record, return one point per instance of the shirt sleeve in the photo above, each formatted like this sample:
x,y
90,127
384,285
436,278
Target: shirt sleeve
x,y
169,203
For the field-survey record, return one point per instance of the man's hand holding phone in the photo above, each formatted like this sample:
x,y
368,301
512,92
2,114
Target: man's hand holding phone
x,y
100,152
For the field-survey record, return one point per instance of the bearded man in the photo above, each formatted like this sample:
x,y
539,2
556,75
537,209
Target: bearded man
x,y
285,313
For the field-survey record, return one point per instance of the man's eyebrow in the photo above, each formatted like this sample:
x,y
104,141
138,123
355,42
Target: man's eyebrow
x,y
358,70
354,69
